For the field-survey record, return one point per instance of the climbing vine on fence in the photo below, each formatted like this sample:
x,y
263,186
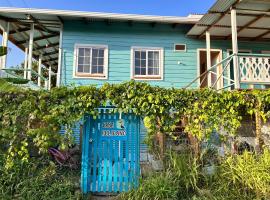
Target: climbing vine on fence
x,y
33,118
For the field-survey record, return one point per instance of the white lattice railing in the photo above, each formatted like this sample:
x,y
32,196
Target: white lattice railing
x,y
254,68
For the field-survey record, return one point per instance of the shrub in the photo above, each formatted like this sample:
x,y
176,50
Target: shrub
x,y
160,186
244,176
38,179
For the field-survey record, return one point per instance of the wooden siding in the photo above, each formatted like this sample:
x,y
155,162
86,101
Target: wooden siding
x,y
120,37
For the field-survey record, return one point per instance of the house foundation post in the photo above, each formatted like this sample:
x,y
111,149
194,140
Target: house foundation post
x,y
30,53
25,63
235,49
39,70
208,57
5,28
58,77
50,78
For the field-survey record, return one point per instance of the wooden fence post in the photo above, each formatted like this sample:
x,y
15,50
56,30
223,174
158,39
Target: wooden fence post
x,y
258,142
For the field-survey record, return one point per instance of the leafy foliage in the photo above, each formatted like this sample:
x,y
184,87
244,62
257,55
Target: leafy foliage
x,y
38,179
33,118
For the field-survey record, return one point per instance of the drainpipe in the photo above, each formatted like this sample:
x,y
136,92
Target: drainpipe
x,y
235,49
208,58
30,53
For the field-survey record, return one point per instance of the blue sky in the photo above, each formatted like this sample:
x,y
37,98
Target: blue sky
x,y
148,7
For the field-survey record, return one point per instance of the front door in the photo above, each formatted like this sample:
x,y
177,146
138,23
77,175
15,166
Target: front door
x,y
110,152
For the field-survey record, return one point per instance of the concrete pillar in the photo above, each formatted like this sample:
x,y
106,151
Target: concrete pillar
x,y
235,49
30,53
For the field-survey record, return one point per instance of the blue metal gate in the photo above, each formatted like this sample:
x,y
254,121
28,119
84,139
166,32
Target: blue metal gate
x,y
110,161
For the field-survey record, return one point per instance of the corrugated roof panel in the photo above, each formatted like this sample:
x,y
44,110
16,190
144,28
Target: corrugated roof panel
x,y
250,33
196,30
262,5
222,5
220,31
267,36
209,19
241,20
263,22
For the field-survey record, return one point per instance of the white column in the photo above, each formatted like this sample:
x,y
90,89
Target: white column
x,y
208,57
25,63
39,70
30,53
5,28
235,49
58,81
50,78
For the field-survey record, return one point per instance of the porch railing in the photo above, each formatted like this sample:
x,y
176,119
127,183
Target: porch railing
x,y
13,72
254,68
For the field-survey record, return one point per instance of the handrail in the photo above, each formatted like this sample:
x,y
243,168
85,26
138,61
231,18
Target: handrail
x,y
32,71
253,55
210,69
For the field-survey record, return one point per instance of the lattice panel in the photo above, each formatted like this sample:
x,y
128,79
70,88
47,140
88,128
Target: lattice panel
x,y
254,69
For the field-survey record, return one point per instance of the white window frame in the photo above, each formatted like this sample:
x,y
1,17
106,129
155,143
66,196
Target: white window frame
x,y
185,50
146,77
82,75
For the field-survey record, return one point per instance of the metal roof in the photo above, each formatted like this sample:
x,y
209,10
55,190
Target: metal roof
x,y
253,20
48,24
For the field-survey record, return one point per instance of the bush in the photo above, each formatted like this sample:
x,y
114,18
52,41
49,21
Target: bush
x,y
38,179
160,186
244,176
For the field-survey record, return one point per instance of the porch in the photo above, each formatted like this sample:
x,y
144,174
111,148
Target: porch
x,y
235,21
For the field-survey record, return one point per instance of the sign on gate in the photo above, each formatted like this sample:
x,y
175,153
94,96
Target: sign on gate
x,y
113,129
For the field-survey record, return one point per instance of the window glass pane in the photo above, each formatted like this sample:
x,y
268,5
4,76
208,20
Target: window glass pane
x,y
100,69
86,68
156,55
101,53
94,70
137,55
150,55
143,71
143,54
137,71
101,61
87,60
94,62
150,71
80,61
95,52
143,63
80,68
87,52
150,63
81,52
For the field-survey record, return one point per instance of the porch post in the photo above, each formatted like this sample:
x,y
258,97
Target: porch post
x,y
25,63
4,43
39,70
30,53
58,81
235,49
208,57
50,78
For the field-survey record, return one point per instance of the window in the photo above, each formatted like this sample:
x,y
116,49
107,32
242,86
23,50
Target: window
x,y
91,61
180,47
147,63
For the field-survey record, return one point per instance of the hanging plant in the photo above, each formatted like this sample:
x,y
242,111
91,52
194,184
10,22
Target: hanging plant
x,y
3,51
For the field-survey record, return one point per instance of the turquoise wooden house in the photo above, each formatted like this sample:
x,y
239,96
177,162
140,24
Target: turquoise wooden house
x,y
227,48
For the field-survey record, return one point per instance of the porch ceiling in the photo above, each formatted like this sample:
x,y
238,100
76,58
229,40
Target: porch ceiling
x,y
253,20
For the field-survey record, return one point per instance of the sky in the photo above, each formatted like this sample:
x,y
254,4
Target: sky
x,y
146,7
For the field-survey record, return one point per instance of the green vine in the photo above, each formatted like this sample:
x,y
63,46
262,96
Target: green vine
x,y
33,118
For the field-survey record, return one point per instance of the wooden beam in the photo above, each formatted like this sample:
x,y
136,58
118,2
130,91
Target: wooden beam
x,y
225,26
44,28
50,53
19,30
60,19
262,35
38,38
47,46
